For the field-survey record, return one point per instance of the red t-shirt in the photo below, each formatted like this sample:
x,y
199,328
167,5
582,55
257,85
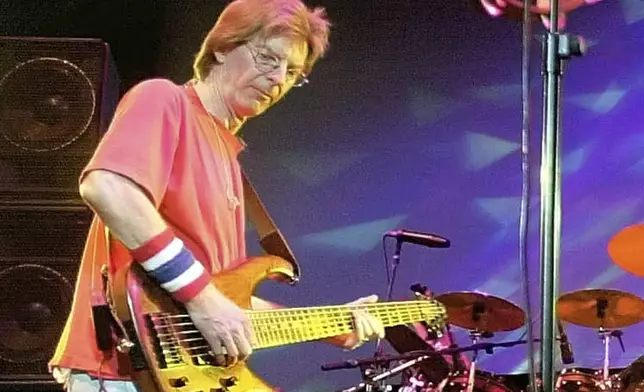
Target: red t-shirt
x,y
163,139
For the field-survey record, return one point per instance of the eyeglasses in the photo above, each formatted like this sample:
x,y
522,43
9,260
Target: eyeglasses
x,y
268,61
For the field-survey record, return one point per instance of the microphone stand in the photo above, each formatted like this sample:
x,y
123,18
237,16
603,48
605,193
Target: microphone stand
x,y
557,48
395,262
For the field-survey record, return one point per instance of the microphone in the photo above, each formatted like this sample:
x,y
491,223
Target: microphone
x,y
418,238
567,357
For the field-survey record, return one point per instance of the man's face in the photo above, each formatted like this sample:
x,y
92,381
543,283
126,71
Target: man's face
x,y
260,72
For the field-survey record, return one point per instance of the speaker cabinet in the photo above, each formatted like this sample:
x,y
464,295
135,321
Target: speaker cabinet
x,y
57,96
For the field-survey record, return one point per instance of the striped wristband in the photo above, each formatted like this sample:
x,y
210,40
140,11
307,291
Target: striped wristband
x,y
167,260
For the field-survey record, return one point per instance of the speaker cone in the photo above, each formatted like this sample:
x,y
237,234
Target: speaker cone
x,y
45,104
34,303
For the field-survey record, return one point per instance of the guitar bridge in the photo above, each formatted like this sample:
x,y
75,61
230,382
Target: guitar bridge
x,y
166,342
175,339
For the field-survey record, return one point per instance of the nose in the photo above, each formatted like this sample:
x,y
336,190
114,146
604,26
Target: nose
x,y
277,76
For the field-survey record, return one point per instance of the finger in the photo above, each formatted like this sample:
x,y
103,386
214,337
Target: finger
x,y
365,300
250,335
243,345
371,298
368,328
218,352
359,326
231,349
378,330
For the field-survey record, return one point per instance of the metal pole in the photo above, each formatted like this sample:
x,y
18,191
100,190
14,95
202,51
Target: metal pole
x,y
550,196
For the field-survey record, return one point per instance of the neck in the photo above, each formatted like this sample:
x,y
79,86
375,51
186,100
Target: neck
x,y
211,95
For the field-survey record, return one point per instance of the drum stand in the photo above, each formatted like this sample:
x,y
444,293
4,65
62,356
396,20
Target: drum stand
x,y
605,335
475,336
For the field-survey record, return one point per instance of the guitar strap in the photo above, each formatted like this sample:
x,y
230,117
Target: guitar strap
x,y
270,238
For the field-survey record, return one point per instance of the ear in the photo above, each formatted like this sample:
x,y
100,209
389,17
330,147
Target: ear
x,y
220,57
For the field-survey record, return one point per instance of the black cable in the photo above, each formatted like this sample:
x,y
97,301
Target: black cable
x,y
384,251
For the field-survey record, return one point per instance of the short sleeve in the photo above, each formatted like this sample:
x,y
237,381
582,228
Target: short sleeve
x,y
142,139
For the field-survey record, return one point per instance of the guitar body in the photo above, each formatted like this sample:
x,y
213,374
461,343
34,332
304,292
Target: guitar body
x,y
160,362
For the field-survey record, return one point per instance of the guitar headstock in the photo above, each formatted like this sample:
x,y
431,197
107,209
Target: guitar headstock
x,y
436,318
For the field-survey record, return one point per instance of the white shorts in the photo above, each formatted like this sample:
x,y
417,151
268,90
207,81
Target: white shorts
x,y
75,381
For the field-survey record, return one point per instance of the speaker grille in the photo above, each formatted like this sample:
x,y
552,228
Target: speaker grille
x,y
35,298
40,252
57,96
49,112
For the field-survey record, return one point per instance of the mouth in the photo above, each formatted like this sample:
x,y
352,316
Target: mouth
x,y
264,95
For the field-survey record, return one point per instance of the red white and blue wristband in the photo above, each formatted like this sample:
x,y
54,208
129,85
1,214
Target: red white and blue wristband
x,y
166,259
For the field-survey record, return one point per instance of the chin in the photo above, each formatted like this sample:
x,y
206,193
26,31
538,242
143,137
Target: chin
x,y
257,110
252,110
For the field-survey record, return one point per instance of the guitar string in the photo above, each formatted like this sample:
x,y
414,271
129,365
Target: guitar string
x,y
172,353
277,328
328,317
299,319
174,349
333,309
303,323
279,335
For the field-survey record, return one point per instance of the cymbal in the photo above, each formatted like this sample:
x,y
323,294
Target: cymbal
x,y
626,249
404,339
483,312
597,308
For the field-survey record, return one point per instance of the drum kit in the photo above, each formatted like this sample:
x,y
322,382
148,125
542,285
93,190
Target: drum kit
x,y
441,365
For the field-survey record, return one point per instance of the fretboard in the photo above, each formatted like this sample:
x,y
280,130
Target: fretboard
x,y
294,325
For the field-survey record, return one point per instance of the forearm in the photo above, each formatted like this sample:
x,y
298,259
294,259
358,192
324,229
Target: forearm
x,y
123,206
132,218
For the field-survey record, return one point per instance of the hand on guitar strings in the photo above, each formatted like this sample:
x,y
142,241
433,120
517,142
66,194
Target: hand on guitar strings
x,y
367,327
224,325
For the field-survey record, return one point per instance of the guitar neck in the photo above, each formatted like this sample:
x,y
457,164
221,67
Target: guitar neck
x,y
280,327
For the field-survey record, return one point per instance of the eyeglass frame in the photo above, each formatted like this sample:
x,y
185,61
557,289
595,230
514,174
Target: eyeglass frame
x,y
273,61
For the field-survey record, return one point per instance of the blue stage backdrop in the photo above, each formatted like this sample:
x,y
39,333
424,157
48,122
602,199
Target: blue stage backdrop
x,y
414,120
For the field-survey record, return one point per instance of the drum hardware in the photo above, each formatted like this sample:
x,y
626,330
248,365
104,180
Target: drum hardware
x,y
606,310
605,335
483,381
575,380
372,381
600,380
405,340
472,379
482,314
631,378
475,337
408,360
